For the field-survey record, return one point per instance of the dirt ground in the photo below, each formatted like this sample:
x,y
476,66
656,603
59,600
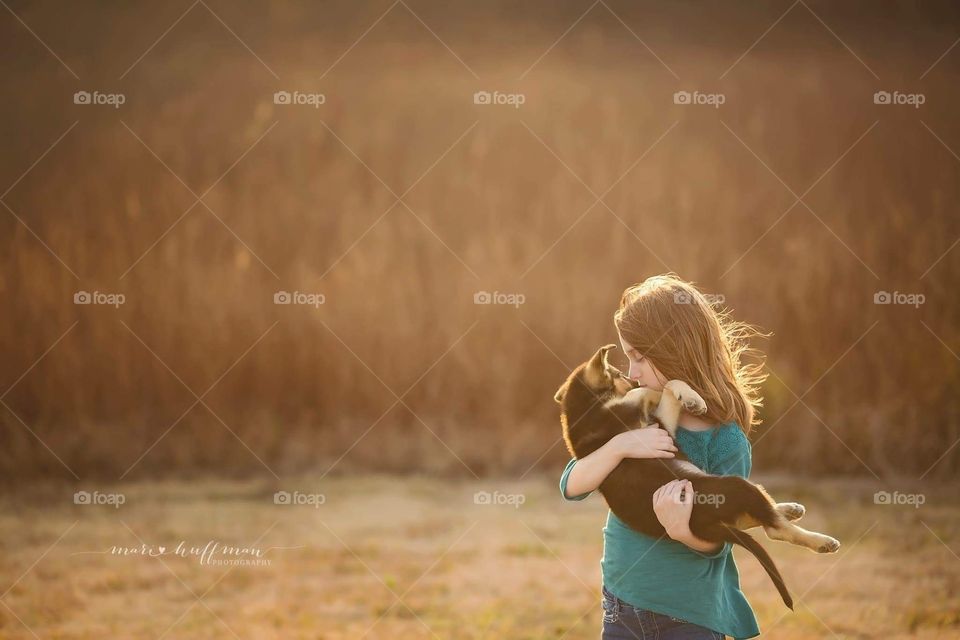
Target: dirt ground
x,y
384,557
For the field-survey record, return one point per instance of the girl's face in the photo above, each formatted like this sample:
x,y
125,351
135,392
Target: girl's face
x,y
641,369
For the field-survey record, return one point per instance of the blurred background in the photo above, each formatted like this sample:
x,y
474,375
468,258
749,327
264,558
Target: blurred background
x,y
452,197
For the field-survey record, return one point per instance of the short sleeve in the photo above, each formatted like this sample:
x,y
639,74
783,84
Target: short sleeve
x,y
563,482
731,455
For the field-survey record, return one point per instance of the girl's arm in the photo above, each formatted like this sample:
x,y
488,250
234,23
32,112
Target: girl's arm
x,y
701,545
590,470
673,504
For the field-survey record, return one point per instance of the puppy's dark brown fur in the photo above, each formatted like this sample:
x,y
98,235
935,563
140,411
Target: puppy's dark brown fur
x,y
597,403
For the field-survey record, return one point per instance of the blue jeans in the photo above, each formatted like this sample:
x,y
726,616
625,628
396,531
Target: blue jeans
x,y
622,621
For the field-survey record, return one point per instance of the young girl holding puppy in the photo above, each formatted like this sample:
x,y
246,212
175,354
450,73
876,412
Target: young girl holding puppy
x,y
679,586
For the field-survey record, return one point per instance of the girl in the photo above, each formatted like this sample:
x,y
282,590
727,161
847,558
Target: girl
x,y
679,586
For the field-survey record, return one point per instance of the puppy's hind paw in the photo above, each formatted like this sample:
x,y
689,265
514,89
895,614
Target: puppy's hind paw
x,y
791,510
831,545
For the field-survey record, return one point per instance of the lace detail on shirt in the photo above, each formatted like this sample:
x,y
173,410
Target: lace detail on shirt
x,y
729,441
706,448
694,446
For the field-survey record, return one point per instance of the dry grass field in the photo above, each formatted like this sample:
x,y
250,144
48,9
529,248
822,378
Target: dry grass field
x,y
384,557
398,199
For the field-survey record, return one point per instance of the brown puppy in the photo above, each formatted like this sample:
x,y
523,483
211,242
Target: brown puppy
x,y
598,402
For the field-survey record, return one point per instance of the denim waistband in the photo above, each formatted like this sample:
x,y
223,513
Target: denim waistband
x,y
619,605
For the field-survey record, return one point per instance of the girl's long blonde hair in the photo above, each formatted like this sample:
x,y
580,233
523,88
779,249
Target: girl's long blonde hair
x,y
686,338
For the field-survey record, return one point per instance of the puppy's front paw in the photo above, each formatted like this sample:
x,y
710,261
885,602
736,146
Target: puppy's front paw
x,y
689,398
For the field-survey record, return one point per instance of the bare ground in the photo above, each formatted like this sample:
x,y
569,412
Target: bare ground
x,y
417,557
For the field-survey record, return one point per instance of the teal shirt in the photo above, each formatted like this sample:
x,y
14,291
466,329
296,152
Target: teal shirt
x,y
668,577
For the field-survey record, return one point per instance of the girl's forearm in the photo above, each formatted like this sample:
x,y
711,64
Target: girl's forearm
x,y
695,543
592,469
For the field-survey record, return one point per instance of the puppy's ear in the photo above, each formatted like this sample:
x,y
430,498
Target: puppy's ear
x,y
595,373
561,392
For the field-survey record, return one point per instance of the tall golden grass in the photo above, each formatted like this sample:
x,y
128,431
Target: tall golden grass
x,y
399,370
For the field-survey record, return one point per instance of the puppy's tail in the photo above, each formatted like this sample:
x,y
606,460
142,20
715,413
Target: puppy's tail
x,y
736,536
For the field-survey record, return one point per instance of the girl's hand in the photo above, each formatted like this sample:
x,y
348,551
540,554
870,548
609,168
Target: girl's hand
x,y
673,504
644,443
